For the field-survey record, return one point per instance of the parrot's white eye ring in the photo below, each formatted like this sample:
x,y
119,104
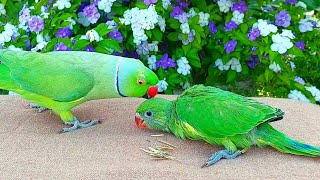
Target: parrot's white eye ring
x,y
141,82
148,113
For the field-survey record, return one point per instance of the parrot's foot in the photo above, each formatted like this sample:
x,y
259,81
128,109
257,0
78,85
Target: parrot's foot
x,y
38,108
76,124
217,156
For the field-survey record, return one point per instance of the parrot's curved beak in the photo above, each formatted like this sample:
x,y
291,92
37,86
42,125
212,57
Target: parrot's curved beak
x,y
140,122
151,92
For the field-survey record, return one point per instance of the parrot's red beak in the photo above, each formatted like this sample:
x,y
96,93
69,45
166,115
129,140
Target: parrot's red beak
x,y
152,91
140,123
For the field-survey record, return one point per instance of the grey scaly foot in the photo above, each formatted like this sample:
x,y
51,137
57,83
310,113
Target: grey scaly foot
x,y
76,124
217,156
38,108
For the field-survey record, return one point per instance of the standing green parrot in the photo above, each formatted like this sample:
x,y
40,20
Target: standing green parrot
x,y
62,80
220,118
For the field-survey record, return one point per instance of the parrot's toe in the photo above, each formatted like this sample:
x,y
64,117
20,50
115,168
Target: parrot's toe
x,y
217,156
38,108
76,124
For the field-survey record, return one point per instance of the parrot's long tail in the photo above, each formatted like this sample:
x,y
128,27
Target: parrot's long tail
x,y
267,135
5,80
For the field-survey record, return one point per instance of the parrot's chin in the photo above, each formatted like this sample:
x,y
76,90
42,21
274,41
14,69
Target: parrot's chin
x,y
140,122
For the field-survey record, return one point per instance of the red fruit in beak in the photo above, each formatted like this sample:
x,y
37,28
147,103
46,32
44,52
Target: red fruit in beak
x,y
140,123
152,91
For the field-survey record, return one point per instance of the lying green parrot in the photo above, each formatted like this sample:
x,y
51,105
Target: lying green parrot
x,y
220,118
62,80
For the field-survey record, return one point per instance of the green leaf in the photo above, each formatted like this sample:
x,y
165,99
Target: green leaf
x,y
149,33
101,49
273,55
193,58
173,23
161,73
80,44
141,5
51,44
186,48
296,51
268,74
231,76
110,44
102,29
173,36
157,34
244,28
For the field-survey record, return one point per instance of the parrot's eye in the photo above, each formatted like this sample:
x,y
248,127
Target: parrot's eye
x,y
148,113
141,82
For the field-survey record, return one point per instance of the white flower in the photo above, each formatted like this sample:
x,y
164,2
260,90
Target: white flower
x,y
61,4
39,46
235,64
297,95
111,24
280,43
72,22
301,4
185,28
40,38
92,35
82,19
11,30
162,85
222,67
153,46
192,13
162,23
275,67
287,33
315,92
237,17
152,62
105,5
292,65
265,28
166,3
2,39
203,19
2,9
13,48
305,25
224,5
183,66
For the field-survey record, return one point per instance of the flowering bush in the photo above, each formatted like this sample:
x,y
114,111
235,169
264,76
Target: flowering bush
x,y
258,45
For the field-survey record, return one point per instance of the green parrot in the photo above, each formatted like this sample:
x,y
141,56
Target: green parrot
x,y
61,80
220,118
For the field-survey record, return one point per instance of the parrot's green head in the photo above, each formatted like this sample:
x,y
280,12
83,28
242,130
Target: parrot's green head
x,y
154,113
135,80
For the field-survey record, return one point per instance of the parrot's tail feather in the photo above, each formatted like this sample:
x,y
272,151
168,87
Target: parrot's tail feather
x,y
5,80
267,135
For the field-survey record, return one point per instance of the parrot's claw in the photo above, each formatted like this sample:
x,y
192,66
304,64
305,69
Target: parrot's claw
x,y
217,156
76,124
38,108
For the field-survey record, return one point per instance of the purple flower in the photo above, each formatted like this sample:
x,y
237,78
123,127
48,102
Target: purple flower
x,y
91,12
291,1
191,35
239,6
89,48
230,25
148,2
115,34
182,4
64,32
300,45
176,11
134,54
24,15
183,18
95,2
165,62
36,24
254,34
230,46
254,48
61,47
212,27
82,6
283,19
253,61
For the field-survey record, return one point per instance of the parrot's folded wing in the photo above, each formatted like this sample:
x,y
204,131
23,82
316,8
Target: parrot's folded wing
x,y
52,74
217,113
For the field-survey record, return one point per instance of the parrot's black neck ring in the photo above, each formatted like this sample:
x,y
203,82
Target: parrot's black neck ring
x,y
117,78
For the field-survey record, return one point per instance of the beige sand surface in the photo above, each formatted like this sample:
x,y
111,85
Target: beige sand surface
x,y
31,148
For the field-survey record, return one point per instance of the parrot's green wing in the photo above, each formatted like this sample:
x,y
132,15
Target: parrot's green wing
x,y
54,75
217,113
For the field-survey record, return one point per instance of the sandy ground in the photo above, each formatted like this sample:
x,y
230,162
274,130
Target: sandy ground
x,y
31,147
